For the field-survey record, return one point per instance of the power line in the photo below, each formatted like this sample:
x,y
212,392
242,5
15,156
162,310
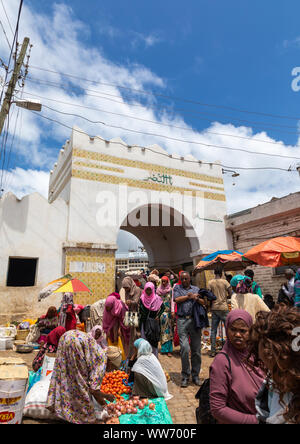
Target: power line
x,y
139,91
166,155
262,125
176,139
7,18
150,121
5,35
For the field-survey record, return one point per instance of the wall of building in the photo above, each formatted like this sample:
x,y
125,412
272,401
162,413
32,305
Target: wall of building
x,y
30,228
279,217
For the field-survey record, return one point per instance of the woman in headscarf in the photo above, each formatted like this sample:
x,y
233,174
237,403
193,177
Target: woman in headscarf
x,y
67,316
244,299
132,299
149,378
235,280
113,321
97,334
151,306
154,278
234,384
77,376
49,347
164,291
43,326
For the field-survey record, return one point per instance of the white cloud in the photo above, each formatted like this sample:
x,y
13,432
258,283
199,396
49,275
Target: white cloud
x,y
22,182
59,44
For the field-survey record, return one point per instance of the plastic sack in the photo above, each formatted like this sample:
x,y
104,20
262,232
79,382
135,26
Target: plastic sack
x,y
36,401
33,378
118,344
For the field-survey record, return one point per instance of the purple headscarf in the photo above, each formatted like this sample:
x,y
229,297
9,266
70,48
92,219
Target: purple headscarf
x,y
100,341
113,319
152,302
232,393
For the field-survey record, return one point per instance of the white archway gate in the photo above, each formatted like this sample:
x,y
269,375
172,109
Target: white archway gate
x,y
174,205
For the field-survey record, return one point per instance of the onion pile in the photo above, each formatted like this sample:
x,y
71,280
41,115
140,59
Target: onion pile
x,y
130,407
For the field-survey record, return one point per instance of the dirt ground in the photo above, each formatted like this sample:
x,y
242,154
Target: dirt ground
x,y
181,406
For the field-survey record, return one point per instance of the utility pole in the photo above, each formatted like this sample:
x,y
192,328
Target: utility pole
x,y
12,83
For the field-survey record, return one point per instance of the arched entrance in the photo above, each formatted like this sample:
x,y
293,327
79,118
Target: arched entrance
x,y
168,237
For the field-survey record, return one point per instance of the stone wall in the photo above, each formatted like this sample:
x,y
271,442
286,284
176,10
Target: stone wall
x,y
271,222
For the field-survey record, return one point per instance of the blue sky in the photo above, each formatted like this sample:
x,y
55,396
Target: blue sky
x,y
231,54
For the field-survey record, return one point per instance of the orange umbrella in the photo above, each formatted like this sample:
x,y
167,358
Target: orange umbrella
x,y
276,252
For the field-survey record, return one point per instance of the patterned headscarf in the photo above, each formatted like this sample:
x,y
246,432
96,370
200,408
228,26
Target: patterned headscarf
x,y
100,341
244,286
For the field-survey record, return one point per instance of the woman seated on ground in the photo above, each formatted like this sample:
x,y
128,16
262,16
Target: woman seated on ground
x,y
149,378
47,323
233,383
50,346
277,351
77,376
244,299
151,306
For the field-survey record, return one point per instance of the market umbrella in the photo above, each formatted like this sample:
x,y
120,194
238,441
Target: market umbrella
x,y
276,252
226,260
73,286
52,286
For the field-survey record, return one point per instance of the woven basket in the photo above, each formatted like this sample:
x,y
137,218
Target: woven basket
x,y
22,334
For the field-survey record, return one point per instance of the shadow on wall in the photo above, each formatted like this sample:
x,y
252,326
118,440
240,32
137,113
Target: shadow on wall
x,y
15,212
19,303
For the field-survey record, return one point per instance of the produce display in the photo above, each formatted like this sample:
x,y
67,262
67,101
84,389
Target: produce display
x,y
113,384
123,407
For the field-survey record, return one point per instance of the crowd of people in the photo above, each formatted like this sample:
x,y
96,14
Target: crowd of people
x,y
255,378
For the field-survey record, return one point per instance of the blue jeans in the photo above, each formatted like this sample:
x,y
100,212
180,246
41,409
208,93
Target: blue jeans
x,y
187,330
217,316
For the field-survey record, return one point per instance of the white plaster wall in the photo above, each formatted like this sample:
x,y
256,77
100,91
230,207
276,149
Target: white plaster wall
x,y
31,227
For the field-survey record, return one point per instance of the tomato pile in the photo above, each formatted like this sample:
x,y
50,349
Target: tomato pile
x,y
113,383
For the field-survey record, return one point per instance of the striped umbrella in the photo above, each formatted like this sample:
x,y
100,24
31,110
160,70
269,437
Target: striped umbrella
x,y
74,285
226,260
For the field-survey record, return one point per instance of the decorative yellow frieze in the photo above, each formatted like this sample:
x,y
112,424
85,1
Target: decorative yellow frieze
x,y
106,178
143,165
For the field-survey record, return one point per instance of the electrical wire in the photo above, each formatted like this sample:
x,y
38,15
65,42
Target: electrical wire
x,y
163,154
5,35
152,121
174,138
254,124
139,91
7,18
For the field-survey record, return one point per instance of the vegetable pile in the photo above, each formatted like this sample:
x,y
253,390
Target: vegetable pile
x,y
123,407
112,384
